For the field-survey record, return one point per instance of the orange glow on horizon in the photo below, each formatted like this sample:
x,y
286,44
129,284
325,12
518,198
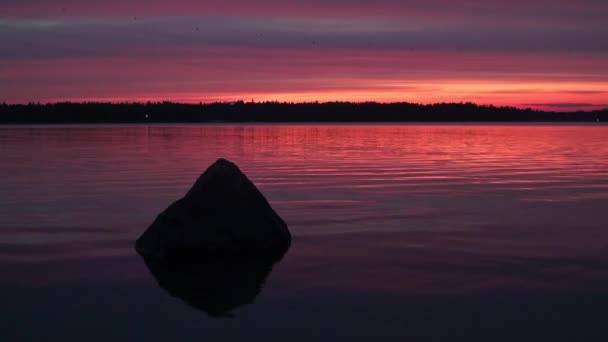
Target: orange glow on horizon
x,y
560,83
536,95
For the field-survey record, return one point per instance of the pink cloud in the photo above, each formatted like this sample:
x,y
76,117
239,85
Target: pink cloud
x,y
305,75
553,52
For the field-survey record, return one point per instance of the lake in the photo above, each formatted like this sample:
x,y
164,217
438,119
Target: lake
x,y
401,232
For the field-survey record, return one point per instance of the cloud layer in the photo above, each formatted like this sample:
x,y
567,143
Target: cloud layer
x,y
516,53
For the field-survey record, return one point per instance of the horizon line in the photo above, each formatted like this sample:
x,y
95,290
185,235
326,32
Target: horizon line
x,y
564,106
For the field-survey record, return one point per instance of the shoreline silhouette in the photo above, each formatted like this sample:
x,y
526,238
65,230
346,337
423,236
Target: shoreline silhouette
x,y
279,112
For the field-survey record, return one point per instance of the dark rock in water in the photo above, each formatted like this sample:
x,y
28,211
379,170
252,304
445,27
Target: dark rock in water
x,y
215,286
224,214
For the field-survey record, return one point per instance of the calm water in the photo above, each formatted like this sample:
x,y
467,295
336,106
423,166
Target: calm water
x,y
420,233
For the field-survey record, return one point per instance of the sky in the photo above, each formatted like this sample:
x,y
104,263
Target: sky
x,y
542,54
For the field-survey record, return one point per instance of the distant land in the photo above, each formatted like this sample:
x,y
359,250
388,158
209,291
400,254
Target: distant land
x,y
169,112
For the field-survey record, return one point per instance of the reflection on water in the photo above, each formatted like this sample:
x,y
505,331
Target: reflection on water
x,y
216,286
421,232
405,176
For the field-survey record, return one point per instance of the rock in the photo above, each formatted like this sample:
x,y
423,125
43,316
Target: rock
x,y
224,214
215,286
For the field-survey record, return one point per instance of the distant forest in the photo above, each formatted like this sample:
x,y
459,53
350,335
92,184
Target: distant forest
x,y
169,112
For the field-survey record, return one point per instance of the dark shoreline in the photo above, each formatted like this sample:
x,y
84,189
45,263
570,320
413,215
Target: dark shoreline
x,y
276,112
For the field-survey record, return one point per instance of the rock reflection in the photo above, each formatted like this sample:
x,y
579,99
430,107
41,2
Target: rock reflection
x,y
216,286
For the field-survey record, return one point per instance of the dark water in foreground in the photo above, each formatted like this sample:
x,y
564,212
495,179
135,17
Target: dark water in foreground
x,y
420,233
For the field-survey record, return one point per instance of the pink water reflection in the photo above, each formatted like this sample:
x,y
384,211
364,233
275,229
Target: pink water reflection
x,y
415,209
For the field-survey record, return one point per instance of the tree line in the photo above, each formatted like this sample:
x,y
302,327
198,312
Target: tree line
x,y
170,112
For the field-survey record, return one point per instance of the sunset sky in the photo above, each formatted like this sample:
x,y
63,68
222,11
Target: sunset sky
x,y
546,54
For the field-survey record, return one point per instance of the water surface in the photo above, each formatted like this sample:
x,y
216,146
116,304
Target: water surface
x,y
420,232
